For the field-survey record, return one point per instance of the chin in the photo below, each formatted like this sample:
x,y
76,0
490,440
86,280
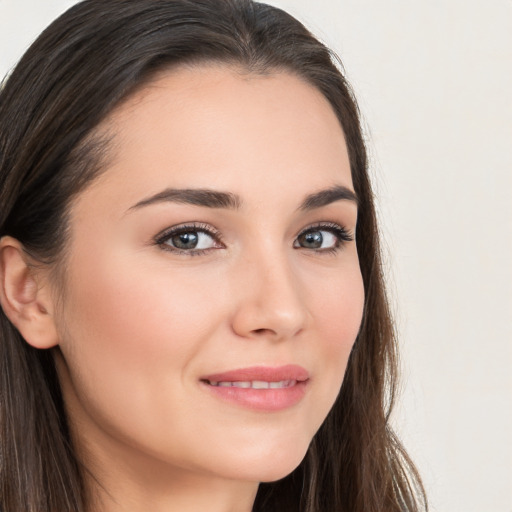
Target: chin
x,y
268,467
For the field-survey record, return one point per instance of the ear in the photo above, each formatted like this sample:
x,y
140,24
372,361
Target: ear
x,y
25,300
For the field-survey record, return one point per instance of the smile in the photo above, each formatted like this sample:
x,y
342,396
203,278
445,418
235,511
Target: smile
x,y
260,388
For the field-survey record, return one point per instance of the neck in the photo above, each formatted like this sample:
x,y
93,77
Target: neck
x,y
129,482
187,493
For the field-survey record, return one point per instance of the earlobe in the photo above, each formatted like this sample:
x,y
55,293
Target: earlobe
x,y
26,303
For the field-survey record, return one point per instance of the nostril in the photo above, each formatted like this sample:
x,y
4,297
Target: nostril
x,y
261,331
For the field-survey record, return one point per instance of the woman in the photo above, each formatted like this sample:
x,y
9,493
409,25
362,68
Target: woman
x,y
189,321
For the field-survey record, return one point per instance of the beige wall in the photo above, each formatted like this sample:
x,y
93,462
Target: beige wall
x,y
434,81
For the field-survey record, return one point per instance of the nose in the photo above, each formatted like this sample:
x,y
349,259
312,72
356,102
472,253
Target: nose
x,y
271,302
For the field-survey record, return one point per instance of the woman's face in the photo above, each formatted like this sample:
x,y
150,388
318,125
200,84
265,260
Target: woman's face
x,y
213,259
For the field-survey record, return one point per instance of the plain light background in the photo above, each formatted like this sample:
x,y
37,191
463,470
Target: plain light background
x,y
434,82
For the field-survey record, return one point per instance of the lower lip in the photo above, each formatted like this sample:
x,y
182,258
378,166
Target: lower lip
x,y
269,400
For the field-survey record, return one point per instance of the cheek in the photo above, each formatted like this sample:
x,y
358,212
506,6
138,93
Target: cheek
x,y
338,309
129,334
145,311
130,343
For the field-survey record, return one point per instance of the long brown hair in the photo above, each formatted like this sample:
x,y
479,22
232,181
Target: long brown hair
x,y
80,68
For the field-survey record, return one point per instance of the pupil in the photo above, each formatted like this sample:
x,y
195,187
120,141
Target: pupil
x,y
185,240
312,239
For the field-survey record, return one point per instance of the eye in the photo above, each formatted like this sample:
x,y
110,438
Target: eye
x,y
323,237
190,239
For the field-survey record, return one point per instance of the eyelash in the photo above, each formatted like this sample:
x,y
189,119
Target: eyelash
x,y
342,236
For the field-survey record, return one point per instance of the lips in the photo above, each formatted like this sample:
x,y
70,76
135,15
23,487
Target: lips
x,y
261,373
261,388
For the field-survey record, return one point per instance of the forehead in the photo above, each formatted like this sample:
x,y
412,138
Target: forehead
x,y
223,128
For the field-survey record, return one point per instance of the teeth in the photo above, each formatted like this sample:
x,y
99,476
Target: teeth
x,y
255,384
260,384
241,384
282,384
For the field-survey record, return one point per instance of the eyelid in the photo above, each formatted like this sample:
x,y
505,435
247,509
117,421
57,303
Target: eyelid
x,y
333,227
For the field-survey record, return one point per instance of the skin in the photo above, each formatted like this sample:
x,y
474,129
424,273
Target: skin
x,y
136,325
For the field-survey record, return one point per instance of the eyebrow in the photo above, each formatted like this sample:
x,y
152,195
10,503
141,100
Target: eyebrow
x,y
328,196
217,199
195,196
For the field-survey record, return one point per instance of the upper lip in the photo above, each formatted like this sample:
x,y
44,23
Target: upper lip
x,y
261,373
